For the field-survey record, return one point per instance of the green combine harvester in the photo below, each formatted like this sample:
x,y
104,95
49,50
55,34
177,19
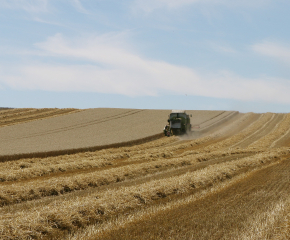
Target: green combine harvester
x,y
178,123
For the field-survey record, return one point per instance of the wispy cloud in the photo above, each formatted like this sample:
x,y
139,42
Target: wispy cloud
x,y
273,49
105,64
35,6
79,6
152,5
37,19
27,5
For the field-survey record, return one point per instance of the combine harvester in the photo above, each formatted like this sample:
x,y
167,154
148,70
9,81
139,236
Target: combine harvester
x,y
178,123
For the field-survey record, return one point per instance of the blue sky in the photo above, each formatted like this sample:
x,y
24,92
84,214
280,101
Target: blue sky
x,y
156,54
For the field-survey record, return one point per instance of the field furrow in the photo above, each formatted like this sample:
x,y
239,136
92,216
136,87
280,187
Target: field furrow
x,y
16,116
264,130
36,188
69,214
109,174
81,125
72,164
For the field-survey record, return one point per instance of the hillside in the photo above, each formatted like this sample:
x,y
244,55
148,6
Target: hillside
x,y
90,128
228,180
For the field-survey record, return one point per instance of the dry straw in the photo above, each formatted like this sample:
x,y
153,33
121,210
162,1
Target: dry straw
x,y
39,188
74,213
51,217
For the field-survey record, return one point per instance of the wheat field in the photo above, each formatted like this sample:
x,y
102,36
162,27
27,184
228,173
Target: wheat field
x,y
229,179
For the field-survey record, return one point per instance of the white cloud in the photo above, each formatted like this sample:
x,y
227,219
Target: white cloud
x,y
274,50
105,64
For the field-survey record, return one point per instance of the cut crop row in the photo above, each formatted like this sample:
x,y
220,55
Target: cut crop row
x,y
35,167
71,214
28,168
38,188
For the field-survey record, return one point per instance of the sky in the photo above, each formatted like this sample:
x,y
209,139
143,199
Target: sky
x,y
153,54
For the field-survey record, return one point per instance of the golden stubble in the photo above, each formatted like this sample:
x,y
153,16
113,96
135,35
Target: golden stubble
x,y
49,197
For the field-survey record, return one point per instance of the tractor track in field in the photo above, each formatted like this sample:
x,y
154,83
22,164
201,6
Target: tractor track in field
x,y
283,140
267,128
224,130
81,125
227,116
124,161
86,124
212,118
198,133
249,181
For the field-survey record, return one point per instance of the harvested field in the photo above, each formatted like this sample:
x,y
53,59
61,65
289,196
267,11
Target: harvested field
x,y
90,128
21,115
228,180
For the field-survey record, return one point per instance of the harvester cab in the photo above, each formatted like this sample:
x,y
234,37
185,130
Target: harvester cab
x,y
178,123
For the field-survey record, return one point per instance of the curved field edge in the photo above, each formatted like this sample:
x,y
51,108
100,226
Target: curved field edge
x,y
5,158
86,129
38,167
217,120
